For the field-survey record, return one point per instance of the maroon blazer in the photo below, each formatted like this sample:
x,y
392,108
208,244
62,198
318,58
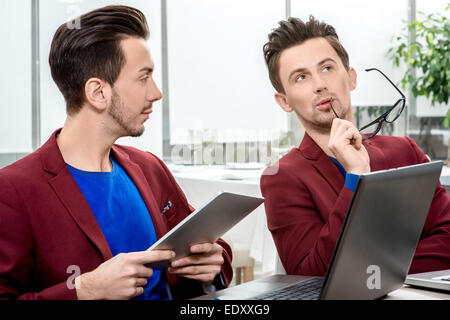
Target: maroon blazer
x,y
306,203
46,224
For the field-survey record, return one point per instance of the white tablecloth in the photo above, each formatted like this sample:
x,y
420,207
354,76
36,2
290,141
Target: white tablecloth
x,y
445,172
202,183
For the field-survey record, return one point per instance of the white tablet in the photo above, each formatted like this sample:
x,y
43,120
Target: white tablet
x,y
206,224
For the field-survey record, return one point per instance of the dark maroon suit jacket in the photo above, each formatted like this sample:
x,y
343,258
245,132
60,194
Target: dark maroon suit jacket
x,y
306,203
46,224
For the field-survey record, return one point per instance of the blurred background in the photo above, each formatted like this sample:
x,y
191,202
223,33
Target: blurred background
x,y
218,124
209,64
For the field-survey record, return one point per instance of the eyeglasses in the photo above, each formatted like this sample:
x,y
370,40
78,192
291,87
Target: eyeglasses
x,y
371,130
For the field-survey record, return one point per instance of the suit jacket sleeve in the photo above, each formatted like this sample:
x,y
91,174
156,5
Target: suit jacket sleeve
x,y
433,250
304,242
16,251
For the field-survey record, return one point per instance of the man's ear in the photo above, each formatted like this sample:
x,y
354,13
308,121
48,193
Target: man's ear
x,y
352,76
281,99
97,93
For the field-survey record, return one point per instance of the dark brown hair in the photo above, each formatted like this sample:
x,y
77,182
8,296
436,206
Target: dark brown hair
x,y
92,49
294,32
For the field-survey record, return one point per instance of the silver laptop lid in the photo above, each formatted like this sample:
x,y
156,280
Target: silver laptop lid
x,y
380,232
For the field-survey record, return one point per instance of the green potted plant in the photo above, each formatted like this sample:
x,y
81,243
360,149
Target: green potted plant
x,y
427,59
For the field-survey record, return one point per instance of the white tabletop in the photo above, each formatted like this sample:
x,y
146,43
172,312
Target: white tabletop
x,y
413,293
445,171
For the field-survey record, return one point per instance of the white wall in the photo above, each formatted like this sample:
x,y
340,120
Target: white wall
x,y
217,75
365,29
15,77
54,13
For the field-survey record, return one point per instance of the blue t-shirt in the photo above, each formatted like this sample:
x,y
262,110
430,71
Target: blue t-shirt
x,y
122,215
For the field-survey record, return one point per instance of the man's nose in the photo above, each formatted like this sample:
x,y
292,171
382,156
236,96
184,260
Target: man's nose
x,y
153,94
319,84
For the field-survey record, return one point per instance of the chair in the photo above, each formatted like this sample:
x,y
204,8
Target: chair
x,y
242,263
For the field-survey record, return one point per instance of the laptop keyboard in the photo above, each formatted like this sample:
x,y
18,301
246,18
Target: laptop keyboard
x,y
304,290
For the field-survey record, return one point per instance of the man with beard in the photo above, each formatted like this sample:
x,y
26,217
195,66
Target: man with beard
x,y
309,190
77,215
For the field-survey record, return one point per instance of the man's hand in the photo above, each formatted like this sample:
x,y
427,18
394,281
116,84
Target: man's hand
x,y
121,277
204,264
346,144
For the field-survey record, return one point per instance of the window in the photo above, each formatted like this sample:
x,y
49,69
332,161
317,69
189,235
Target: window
x,y
218,104
219,90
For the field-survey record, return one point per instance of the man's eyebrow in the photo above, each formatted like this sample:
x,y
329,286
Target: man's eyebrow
x,y
296,71
146,69
326,60
304,69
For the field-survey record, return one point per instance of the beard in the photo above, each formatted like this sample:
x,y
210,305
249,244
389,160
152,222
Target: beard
x,y
322,121
117,110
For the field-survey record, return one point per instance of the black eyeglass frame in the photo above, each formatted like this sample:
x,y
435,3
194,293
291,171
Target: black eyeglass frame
x,y
383,117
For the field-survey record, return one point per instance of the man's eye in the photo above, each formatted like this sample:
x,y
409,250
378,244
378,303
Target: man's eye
x,y
144,79
326,69
300,78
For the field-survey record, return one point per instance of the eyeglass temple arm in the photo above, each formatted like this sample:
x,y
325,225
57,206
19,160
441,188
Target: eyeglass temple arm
x,y
331,106
396,88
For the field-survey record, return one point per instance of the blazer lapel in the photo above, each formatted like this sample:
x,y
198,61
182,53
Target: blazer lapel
x,y
137,175
71,196
322,163
73,199
329,171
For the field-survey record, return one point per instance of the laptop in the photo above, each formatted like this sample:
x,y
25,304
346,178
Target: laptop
x,y
375,247
439,280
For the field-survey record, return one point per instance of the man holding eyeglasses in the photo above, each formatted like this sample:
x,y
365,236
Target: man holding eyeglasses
x,y
307,196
